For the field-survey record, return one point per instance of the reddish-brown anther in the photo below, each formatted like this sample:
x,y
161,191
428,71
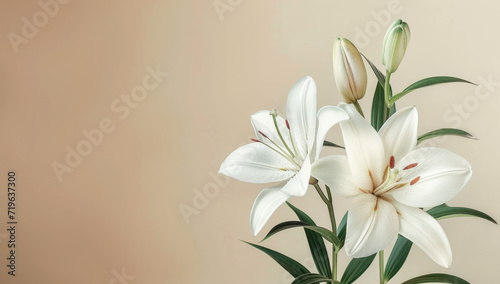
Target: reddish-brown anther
x,y
414,181
265,136
411,166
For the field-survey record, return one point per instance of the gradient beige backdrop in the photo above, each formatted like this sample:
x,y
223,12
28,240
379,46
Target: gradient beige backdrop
x,y
115,218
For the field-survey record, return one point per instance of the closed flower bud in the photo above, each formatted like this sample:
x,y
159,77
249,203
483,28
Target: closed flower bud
x,y
395,41
348,70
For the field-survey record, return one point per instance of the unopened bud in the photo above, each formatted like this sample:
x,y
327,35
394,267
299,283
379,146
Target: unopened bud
x,y
395,42
348,70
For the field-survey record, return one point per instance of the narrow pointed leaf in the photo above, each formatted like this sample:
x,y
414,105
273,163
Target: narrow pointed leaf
x,y
341,231
316,244
436,278
444,211
325,233
444,131
311,278
428,82
283,226
292,266
380,76
378,107
356,268
398,257
331,144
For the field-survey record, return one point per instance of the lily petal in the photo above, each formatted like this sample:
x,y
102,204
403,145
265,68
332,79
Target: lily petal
x,y
262,121
264,206
399,133
424,231
334,171
372,224
256,163
328,116
301,114
297,186
438,177
364,148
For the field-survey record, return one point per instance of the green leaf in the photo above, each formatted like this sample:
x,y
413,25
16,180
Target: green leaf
x,y
378,107
356,268
444,131
290,265
325,233
444,211
428,82
378,103
283,226
436,277
311,278
398,257
316,244
341,231
331,144
380,76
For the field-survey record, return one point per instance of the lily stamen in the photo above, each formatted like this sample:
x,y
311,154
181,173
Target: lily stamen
x,y
281,151
291,138
411,166
274,114
415,180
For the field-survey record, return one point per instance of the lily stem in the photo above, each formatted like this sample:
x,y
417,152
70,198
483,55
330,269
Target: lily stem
x,y
328,201
358,108
330,210
320,192
387,96
381,266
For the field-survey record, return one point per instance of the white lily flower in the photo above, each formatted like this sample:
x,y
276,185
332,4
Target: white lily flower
x,y
390,181
285,150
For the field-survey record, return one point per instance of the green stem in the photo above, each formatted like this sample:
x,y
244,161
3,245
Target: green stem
x,y
320,192
334,264
358,108
328,201
381,266
387,96
330,210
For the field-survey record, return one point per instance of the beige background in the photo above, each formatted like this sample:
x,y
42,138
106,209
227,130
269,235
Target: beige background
x,y
118,210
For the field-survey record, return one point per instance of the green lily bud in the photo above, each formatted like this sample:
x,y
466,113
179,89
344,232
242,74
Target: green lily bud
x,y
395,41
348,70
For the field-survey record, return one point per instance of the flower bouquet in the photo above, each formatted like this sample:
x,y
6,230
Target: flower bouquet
x,y
398,190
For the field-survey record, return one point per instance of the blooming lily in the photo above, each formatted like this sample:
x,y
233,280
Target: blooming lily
x,y
284,150
390,181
